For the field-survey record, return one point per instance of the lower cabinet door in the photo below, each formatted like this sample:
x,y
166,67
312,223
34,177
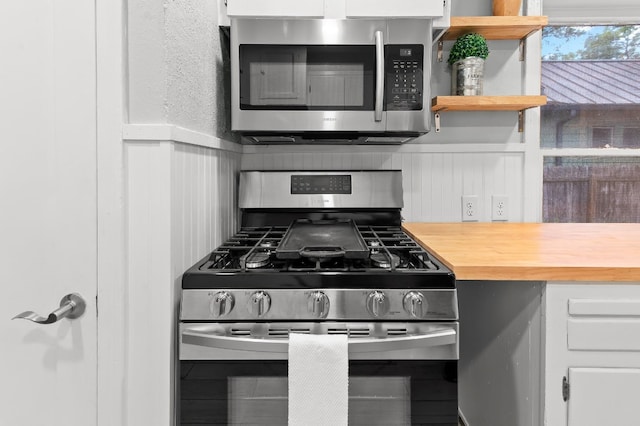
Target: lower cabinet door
x,y
604,396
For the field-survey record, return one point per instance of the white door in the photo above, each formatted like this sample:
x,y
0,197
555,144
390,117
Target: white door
x,y
47,210
604,396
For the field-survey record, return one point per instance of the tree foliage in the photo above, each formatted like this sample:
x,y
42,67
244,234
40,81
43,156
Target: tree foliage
x,y
612,42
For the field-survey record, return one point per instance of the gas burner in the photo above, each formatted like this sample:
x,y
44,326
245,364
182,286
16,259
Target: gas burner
x,y
257,260
381,260
267,244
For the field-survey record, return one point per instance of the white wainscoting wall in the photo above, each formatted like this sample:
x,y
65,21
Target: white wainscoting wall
x,y
180,204
434,178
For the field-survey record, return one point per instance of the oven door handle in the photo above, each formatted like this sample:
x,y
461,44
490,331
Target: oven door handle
x,y
447,336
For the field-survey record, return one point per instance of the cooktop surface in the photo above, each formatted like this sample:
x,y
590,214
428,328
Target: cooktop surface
x,y
256,257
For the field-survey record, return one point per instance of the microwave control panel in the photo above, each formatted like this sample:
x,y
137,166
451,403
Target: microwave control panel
x,y
404,77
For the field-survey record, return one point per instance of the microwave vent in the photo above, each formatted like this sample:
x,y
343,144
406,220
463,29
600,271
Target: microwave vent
x,y
387,140
272,139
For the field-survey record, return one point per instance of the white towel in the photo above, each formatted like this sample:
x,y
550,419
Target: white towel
x,y
318,380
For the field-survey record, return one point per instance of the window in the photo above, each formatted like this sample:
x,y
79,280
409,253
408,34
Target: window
x,y
590,127
601,137
631,137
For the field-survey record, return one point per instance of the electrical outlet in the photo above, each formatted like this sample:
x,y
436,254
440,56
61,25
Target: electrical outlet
x,y
499,207
469,208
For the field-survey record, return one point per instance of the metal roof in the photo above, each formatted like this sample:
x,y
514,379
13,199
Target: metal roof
x,y
591,82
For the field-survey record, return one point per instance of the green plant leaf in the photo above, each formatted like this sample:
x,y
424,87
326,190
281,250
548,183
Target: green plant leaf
x,y
468,45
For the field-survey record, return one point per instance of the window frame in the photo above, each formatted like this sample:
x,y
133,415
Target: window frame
x,y
604,152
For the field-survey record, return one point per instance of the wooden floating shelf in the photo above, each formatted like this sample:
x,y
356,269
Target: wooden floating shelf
x,y
492,28
495,27
486,103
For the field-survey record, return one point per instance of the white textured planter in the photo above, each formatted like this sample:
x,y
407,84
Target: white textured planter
x,y
467,76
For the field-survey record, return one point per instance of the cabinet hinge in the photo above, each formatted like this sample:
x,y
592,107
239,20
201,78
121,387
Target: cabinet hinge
x,y
565,389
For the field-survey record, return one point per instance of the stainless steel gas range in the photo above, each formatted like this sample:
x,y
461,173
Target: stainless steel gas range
x,y
319,252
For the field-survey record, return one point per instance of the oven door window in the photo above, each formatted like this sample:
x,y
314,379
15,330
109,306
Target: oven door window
x,y
307,77
389,393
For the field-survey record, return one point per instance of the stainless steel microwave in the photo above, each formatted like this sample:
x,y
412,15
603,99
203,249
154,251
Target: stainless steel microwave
x,y
330,80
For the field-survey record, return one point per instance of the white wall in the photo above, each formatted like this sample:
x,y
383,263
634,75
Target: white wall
x,y
176,72
177,76
180,184
475,153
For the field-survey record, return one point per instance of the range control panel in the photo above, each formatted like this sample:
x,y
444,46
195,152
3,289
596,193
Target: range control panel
x,y
321,184
239,304
404,77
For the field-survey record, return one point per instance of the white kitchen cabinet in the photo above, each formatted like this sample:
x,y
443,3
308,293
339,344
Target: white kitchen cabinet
x,y
592,354
275,8
398,8
338,9
603,396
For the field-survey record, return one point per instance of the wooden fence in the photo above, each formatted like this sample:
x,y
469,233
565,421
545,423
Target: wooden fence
x,y
591,193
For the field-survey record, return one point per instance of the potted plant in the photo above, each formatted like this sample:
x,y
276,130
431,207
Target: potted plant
x,y
466,58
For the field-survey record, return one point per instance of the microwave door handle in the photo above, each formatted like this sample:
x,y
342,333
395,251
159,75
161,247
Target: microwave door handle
x,y
441,337
379,76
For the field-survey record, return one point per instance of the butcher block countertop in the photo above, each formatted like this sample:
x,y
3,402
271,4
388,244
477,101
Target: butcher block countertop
x,y
534,251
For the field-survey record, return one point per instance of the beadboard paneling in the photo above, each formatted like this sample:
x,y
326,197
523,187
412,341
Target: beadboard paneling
x,y
204,201
180,204
433,182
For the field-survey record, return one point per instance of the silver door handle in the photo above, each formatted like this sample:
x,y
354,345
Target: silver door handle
x,y
356,345
71,306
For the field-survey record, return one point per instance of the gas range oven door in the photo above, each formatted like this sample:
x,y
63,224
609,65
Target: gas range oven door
x,y
242,379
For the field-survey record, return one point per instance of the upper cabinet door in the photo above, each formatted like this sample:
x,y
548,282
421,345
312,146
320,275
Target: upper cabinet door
x,y
394,9
275,8
604,396
336,9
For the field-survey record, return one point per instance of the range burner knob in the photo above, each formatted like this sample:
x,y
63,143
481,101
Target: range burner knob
x,y
221,304
415,304
259,304
377,304
318,304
